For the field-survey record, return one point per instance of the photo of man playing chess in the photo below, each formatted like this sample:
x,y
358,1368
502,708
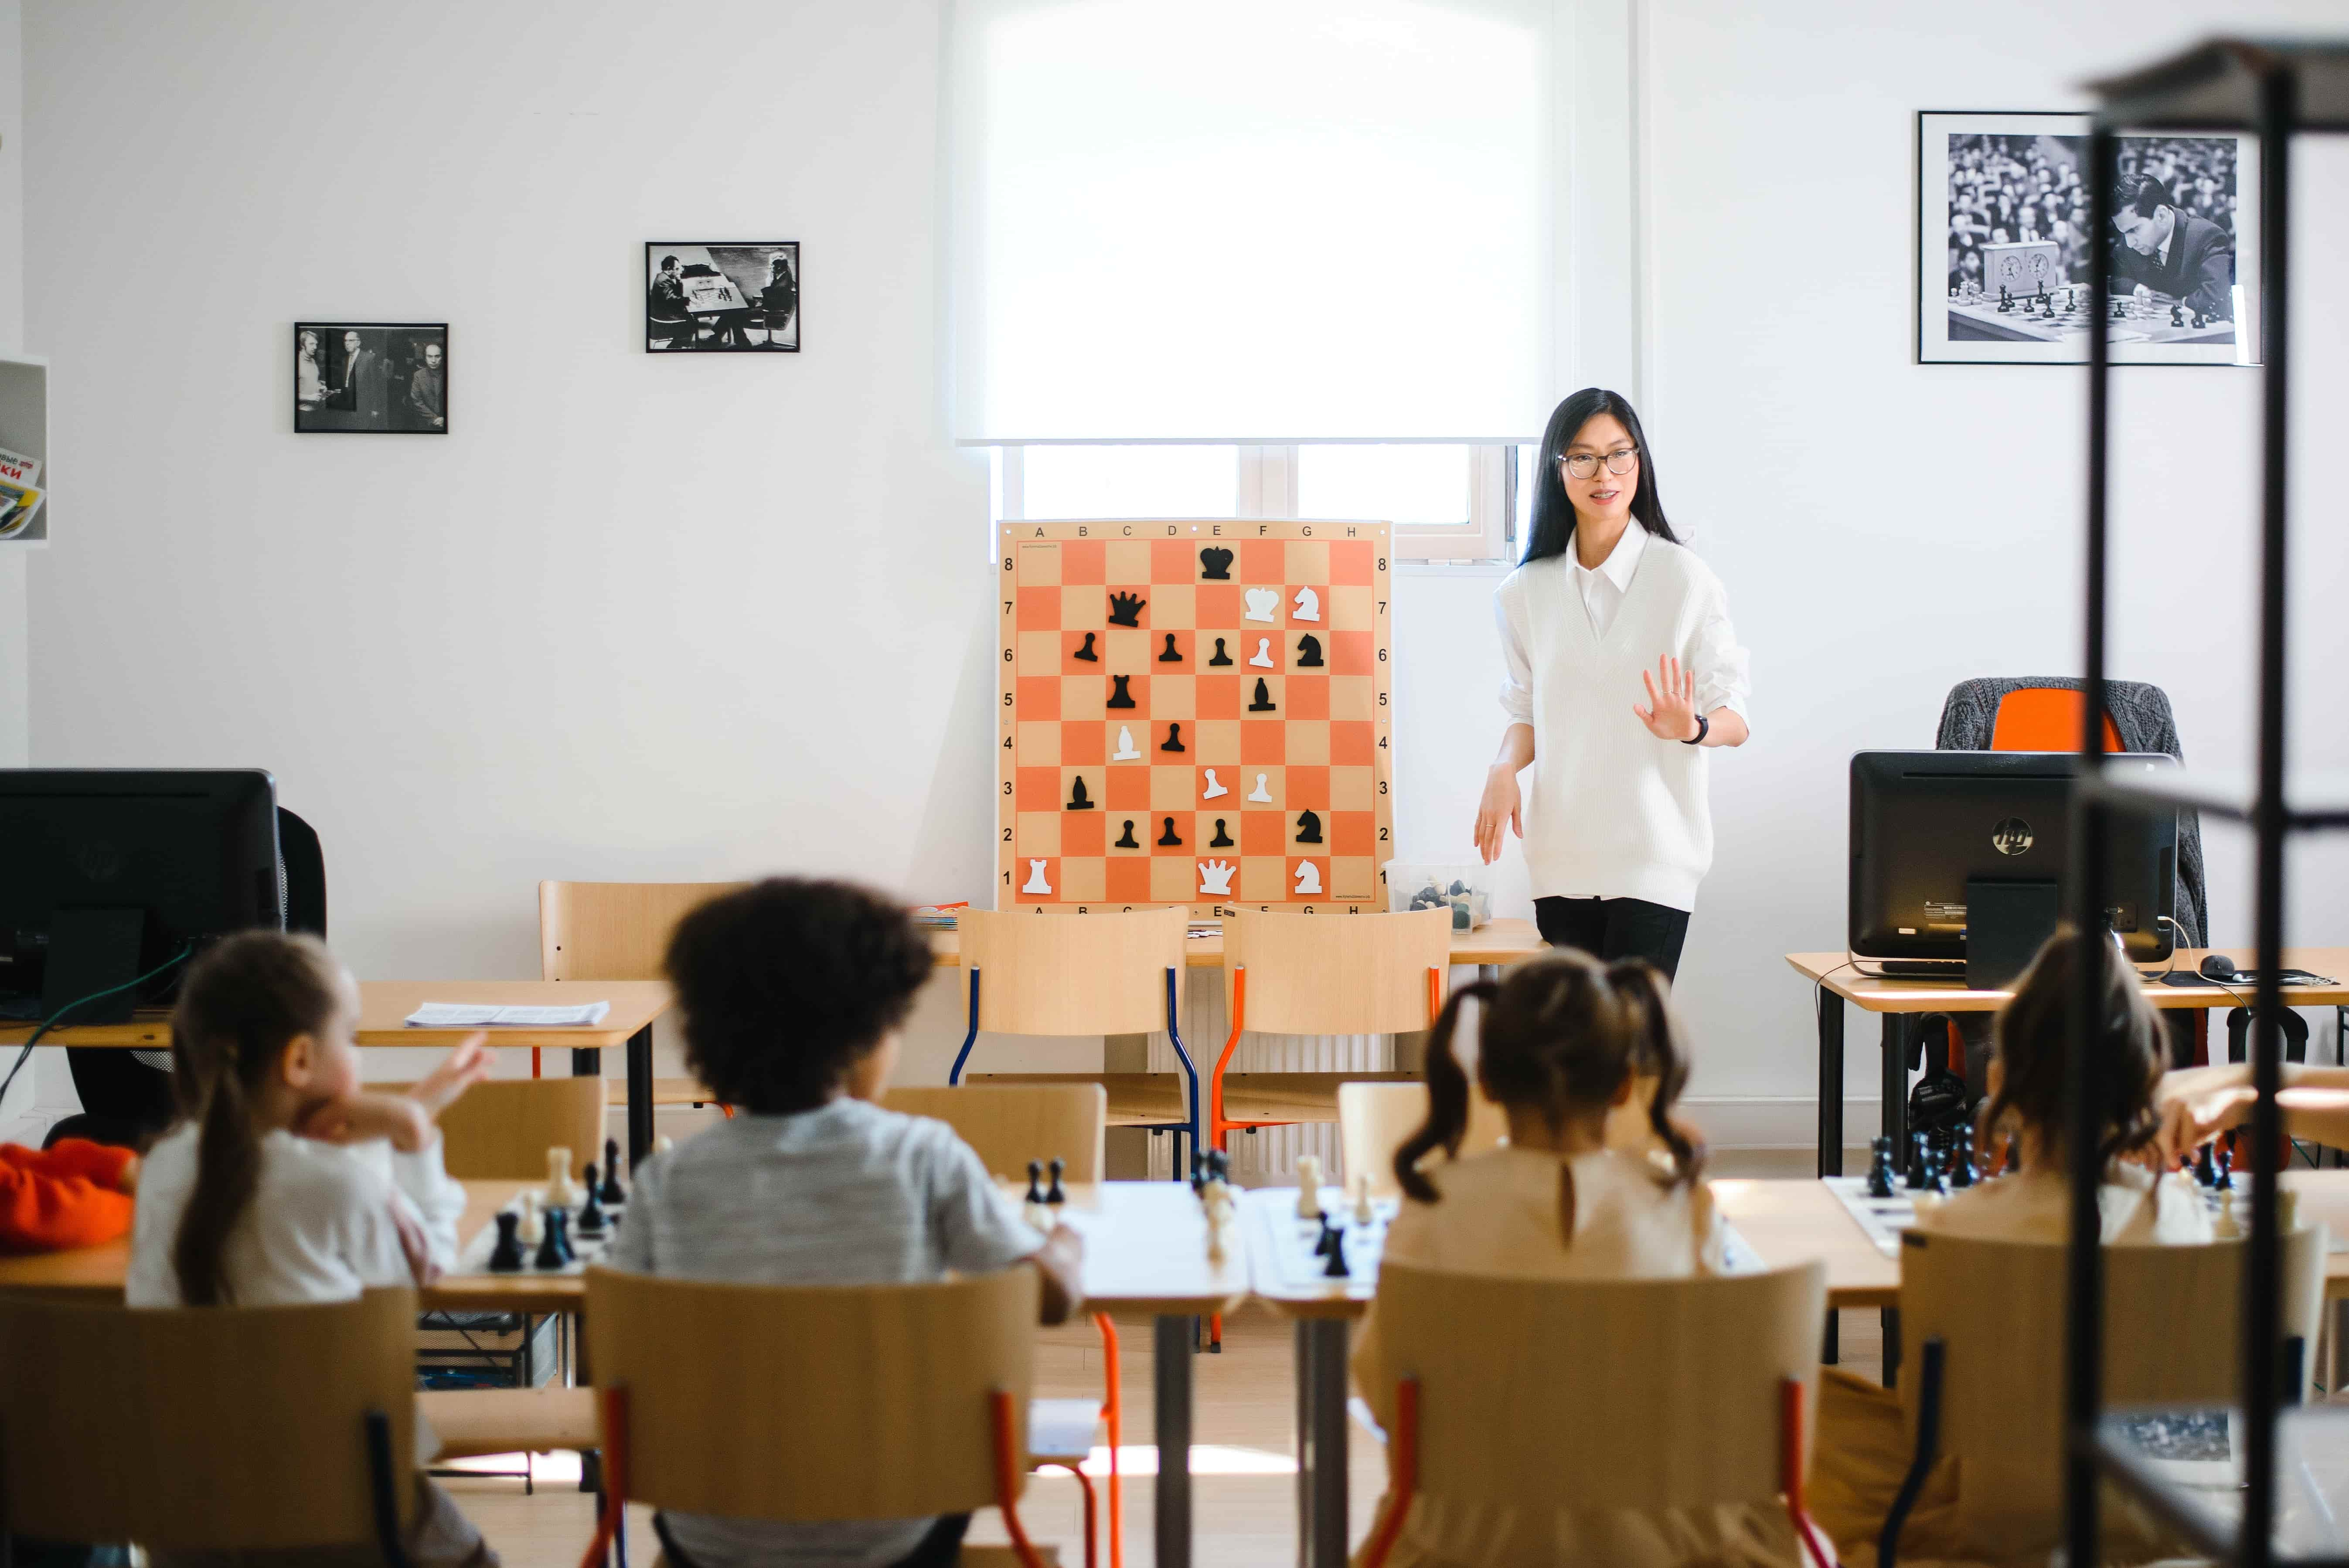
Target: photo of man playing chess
x,y
2163,249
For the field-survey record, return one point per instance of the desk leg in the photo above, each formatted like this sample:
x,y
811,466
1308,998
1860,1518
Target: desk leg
x,y
1323,1342
1896,1085
1171,1361
1488,972
1891,1320
1831,1342
1302,1350
640,1095
1830,1085
588,1064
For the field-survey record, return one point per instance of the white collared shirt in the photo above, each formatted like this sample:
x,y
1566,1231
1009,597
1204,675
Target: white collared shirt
x,y
1602,590
1719,664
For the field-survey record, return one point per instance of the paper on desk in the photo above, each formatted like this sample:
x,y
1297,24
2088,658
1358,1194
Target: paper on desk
x,y
488,1015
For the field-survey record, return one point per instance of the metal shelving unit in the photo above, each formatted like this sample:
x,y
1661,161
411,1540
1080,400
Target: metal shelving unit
x,y
2277,90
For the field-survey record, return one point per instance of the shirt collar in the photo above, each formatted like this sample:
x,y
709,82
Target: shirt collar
x,y
1622,561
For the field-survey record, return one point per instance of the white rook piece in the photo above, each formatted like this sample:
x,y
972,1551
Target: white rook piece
x,y
1036,883
1309,1187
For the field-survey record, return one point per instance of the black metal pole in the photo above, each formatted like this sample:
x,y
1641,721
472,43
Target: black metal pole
x,y
2263,1295
2084,1349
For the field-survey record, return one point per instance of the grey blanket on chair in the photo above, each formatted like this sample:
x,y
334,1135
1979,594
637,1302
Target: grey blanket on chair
x,y
2141,714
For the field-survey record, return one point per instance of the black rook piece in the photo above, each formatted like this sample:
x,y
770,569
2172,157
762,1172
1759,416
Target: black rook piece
x,y
1216,564
1308,652
1173,739
1127,841
1168,838
1119,697
1170,656
1125,608
1077,800
506,1257
1221,657
1222,840
1308,828
1086,652
1263,703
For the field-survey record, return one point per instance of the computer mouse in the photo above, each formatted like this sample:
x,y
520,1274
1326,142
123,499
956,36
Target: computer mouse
x,y
2218,966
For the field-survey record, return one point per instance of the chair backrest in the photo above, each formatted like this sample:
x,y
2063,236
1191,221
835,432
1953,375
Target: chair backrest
x,y
1073,973
202,1429
302,875
613,931
812,1402
1374,1118
501,1129
2044,718
1010,1124
1680,1408
1337,974
2172,1335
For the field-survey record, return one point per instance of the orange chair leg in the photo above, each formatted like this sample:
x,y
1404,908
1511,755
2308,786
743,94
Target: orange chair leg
x,y
1086,1483
1402,1475
1113,1415
535,1070
1790,1470
1218,1129
615,1479
1007,1478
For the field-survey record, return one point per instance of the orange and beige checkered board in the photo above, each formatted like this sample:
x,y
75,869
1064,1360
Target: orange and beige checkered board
x,y
1285,743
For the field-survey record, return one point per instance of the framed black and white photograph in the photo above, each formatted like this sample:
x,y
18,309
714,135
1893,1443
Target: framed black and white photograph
x,y
2003,244
710,298
371,376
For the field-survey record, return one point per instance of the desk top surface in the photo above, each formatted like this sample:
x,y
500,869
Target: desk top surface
x,y
383,1004
1497,942
1876,995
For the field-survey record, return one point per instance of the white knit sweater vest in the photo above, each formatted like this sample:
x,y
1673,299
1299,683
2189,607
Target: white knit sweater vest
x,y
1612,811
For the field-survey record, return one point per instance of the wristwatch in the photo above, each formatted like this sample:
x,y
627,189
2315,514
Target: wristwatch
x,y
1703,728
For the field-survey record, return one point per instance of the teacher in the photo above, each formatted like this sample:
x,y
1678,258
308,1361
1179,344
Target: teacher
x,y
1618,828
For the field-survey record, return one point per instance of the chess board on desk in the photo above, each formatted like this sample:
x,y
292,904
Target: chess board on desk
x,y
1981,320
1195,713
473,1256
1885,1218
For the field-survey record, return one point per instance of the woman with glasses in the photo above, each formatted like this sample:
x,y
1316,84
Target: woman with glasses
x,y
1623,669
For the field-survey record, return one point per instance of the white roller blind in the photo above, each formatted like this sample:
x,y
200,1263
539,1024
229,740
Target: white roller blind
x,y
1251,221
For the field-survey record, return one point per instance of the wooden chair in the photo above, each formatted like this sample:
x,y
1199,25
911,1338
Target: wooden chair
x,y
1374,1118
1988,1318
619,931
817,1402
1327,974
1719,1371
1080,974
210,1428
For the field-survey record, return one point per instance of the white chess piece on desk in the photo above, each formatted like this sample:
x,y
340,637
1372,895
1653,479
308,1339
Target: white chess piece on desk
x,y
1363,1212
1125,751
562,1191
532,1228
1036,883
1216,878
1262,605
2229,1227
1262,657
1260,794
1309,1187
1214,789
1308,605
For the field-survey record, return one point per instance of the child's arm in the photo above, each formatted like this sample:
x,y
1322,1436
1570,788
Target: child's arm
x,y
51,1200
1061,1261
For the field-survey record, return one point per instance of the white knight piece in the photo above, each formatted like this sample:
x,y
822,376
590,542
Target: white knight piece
x,y
1309,877
1308,605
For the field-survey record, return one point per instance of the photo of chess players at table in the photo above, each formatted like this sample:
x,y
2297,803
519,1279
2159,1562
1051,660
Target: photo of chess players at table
x,y
2162,250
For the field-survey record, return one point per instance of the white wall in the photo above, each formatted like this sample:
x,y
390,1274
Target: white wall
x,y
16,694
681,618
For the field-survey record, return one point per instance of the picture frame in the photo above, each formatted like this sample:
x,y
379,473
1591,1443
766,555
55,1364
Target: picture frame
x,y
371,378
2002,203
708,296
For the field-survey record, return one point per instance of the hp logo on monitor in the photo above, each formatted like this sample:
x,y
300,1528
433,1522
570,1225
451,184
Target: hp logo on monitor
x,y
2011,837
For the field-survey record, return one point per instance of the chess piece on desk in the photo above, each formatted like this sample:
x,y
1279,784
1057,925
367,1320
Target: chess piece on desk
x,y
1260,795
1935,1182
1962,1164
1216,878
506,1257
1054,1197
2177,315
1917,1181
1037,1213
1326,1239
1309,1187
1214,787
531,1228
1174,739
1880,1168
1263,605
1309,877
1127,840
1263,701
1308,828
562,1191
591,1217
553,1250
1086,652
2204,1173
1125,608
612,1195
2229,1227
1308,607
1336,1267
1364,1213
2226,1183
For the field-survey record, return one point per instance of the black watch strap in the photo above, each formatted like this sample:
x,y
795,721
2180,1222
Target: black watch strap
x,y
1703,728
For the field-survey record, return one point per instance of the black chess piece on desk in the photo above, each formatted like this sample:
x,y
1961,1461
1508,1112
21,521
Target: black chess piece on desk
x,y
1336,1267
506,1257
1935,1182
1055,1195
2204,1173
1962,1170
1222,840
1308,652
1880,1168
1263,703
591,1217
1035,1181
2226,1169
1219,1165
611,1194
1327,1239
555,1242
1918,1159
1167,839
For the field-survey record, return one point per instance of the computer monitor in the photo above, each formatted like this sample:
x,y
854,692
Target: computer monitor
x,y
1965,856
105,873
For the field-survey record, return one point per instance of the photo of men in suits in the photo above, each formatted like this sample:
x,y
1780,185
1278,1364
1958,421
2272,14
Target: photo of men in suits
x,y
2161,248
370,379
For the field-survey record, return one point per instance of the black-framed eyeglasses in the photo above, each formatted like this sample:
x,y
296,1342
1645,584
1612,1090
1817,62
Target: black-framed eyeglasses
x,y
1621,460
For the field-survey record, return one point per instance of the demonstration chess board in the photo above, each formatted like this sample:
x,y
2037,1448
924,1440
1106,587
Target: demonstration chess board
x,y
1194,712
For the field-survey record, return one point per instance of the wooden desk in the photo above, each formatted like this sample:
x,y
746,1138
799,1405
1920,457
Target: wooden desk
x,y
1488,946
383,1004
1897,1001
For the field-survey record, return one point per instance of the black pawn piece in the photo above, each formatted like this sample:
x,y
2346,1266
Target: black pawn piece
x,y
1917,1160
1961,1170
1128,841
1055,1195
1086,652
1308,828
1215,564
1174,739
1167,839
612,1193
2205,1172
552,1246
506,1257
1263,703
591,1217
1219,1165
1880,1168
1170,656
1222,840
1221,657
1308,652
2226,1169
1119,697
1125,608
1035,1181
1199,1181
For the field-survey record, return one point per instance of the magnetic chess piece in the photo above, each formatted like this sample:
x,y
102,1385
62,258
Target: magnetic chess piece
x,y
1336,1267
1308,652
1880,1168
1263,703
1308,828
1309,877
1262,657
532,1229
1173,655
1221,657
1127,840
1077,800
562,1191
1215,564
1125,610
1308,606
1309,1187
1054,1195
1125,751
551,1248
1961,1164
612,1195
506,1257
2204,1173
1915,1182
2228,1227
1260,795
1086,652
1167,839
1036,883
1216,878
1173,742
1263,605
1365,1212
590,1214
1119,697
1214,787
1222,840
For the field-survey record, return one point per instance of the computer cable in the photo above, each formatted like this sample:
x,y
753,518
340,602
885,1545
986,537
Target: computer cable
x,y
52,1021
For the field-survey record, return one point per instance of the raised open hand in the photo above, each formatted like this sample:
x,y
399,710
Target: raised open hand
x,y
1669,712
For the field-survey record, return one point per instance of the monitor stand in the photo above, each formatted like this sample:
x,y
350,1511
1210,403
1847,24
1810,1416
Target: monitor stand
x,y
90,951
2007,923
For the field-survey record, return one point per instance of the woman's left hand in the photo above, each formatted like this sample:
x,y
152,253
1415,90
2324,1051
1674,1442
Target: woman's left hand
x,y
1669,712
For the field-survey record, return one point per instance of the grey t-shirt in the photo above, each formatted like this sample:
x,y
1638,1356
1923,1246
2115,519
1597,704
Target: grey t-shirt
x,y
846,1194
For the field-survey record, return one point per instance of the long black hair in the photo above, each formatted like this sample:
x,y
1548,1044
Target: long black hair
x,y
1553,519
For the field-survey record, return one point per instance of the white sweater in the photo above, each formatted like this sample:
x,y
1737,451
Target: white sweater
x,y
1612,811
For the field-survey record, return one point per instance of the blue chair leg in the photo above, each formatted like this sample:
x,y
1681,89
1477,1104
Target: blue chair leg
x,y
954,1075
383,1477
1929,1444
1190,1075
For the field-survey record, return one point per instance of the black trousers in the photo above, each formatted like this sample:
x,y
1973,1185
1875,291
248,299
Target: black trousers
x,y
1612,928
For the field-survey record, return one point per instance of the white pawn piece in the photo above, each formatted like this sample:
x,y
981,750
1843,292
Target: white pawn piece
x,y
1216,877
1214,788
1262,657
1309,1187
1364,1213
1125,751
1036,883
2288,1210
531,1230
1308,605
2229,1227
1260,794
562,1191
1262,603
1309,877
